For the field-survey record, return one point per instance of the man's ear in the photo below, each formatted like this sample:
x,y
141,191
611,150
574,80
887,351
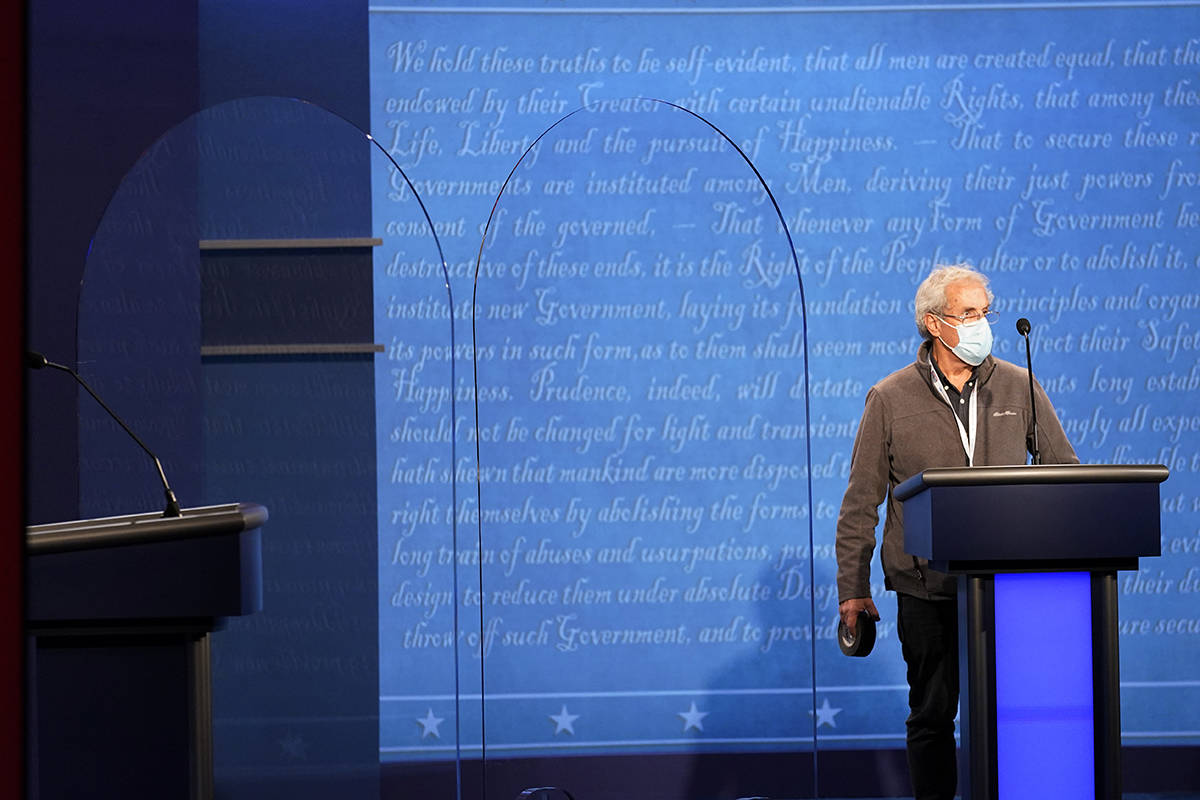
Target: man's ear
x,y
933,325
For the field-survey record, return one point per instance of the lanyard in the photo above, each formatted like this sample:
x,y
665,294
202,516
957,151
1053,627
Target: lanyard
x,y
968,439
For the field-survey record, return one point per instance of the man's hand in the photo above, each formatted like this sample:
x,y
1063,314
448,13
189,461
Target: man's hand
x,y
849,610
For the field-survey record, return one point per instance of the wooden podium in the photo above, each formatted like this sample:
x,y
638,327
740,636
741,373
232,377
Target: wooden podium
x,y
119,612
1036,550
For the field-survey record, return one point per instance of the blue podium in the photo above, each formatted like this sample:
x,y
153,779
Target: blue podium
x,y
118,616
1036,550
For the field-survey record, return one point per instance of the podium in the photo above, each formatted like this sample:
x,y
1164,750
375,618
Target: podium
x,y
1036,550
118,616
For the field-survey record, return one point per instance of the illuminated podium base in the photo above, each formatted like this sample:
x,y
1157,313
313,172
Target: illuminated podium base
x,y
1036,550
119,612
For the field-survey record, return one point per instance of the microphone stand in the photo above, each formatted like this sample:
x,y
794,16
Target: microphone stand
x,y
38,361
1023,328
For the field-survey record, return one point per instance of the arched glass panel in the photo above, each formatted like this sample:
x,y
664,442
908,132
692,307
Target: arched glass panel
x,y
228,312
644,500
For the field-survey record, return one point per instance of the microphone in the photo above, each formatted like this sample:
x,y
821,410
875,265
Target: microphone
x,y
1023,328
35,360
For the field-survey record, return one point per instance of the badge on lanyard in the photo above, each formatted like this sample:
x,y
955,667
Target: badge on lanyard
x,y
968,439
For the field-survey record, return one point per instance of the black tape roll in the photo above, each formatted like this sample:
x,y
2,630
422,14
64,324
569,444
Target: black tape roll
x,y
857,644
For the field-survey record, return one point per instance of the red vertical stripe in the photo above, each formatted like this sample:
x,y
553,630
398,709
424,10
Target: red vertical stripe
x,y
12,266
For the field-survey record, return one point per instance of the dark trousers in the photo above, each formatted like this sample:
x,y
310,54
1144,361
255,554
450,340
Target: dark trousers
x,y
928,631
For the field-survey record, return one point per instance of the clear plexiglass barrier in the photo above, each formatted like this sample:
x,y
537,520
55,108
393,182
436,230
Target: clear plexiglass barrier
x,y
227,313
644,502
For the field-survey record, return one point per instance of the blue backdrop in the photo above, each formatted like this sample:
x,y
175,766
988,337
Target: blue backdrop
x,y
1053,146
649,584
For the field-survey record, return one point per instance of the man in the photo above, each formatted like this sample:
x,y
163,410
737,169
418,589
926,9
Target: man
x,y
955,406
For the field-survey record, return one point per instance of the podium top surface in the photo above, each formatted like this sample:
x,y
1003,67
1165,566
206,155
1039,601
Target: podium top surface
x,y
1076,516
86,534
1031,474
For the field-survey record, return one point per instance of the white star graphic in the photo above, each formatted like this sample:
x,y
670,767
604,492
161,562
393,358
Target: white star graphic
x,y
825,714
294,746
429,725
693,718
564,722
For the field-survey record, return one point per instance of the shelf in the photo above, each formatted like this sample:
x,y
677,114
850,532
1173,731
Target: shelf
x,y
351,348
287,244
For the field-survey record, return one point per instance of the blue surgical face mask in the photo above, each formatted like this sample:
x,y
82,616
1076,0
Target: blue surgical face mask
x,y
974,342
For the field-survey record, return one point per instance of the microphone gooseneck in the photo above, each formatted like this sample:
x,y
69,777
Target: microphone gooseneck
x,y
35,360
1023,328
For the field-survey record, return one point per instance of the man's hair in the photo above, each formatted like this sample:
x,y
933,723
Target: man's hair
x,y
931,294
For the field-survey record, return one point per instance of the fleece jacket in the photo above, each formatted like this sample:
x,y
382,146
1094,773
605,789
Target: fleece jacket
x,y
907,427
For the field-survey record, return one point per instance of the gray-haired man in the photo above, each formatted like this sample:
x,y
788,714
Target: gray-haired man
x,y
954,406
